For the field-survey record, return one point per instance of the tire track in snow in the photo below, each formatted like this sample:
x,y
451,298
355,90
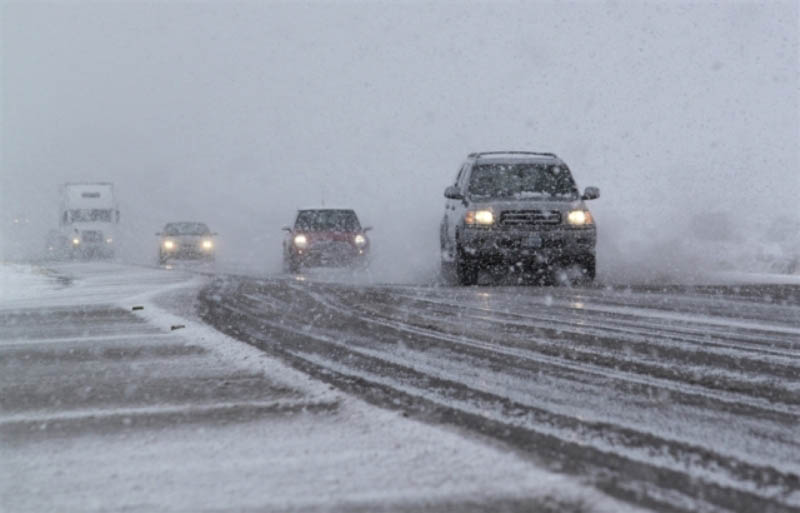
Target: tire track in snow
x,y
295,331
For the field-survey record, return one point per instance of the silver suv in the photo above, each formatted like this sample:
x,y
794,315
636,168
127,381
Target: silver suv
x,y
517,210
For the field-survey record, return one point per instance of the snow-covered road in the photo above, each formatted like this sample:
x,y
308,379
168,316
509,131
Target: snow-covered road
x,y
104,407
678,398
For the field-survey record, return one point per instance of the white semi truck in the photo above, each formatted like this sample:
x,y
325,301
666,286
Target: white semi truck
x,y
88,217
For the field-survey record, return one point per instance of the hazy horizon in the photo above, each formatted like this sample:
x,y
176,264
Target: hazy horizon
x,y
236,114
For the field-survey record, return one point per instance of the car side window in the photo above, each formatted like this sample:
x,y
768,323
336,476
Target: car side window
x,y
462,176
458,176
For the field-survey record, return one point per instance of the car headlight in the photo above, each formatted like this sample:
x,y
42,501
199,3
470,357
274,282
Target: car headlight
x,y
481,217
579,218
76,241
360,240
300,241
109,240
168,244
207,244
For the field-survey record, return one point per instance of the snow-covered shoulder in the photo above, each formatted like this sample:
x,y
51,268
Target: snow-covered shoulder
x,y
20,282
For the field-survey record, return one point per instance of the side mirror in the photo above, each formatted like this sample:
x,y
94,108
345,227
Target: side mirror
x,y
366,229
286,229
591,193
158,234
452,192
214,234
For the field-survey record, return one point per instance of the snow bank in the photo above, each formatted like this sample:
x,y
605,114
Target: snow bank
x,y
699,249
25,282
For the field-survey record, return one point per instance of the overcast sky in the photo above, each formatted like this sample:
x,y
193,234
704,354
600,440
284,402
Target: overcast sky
x,y
237,113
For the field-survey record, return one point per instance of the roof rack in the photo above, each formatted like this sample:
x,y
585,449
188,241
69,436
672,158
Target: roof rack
x,y
483,153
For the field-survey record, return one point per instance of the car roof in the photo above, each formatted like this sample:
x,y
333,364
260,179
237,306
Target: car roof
x,y
515,156
322,209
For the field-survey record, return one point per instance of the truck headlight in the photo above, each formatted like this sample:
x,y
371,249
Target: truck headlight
x,y
168,244
579,218
479,217
207,244
360,240
300,241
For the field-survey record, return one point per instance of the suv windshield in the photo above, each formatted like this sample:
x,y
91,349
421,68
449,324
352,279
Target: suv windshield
x,y
521,181
186,229
327,220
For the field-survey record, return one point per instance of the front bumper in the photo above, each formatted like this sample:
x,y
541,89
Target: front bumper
x,y
187,252
330,256
511,245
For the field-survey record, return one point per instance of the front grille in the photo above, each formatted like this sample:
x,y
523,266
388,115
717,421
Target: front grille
x,y
92,236
516,244
529,217
332,247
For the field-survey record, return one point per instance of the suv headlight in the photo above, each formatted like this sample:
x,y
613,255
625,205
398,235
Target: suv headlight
x,y
168,244
479,217
360,240
208,244
580,218
300,241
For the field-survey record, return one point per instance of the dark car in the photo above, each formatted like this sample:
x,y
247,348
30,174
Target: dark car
x,y
186,240
325,237
517,211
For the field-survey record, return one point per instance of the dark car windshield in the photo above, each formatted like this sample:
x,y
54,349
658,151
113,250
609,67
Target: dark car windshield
x,y
522,181
327,220
186,229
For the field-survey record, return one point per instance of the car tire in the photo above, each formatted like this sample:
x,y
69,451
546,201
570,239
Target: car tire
x,y
361,265
447,273
466,269
583,271
589,265
447,265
